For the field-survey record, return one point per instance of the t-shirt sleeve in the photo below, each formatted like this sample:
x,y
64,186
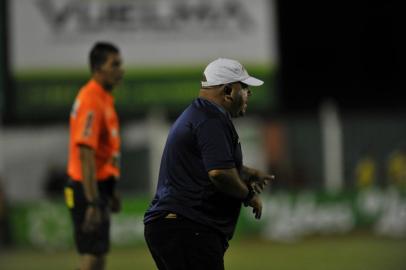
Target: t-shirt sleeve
x,y
88,124
215,145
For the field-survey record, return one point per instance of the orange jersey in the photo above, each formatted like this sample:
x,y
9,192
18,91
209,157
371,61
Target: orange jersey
x,y
94,123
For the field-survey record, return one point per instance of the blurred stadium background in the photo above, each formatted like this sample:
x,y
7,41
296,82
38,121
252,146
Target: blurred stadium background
x,y
329,122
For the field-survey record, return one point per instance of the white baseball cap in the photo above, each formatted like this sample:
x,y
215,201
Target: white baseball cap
x,y
223,71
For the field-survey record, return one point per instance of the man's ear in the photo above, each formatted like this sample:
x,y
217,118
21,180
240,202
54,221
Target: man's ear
x,y
227,92
228,89
97,68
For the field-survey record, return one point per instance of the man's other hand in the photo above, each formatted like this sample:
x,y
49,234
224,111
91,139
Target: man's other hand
x,y
93,219
256,204
115,203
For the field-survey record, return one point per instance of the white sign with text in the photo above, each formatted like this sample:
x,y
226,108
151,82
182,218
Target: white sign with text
x,y
48,34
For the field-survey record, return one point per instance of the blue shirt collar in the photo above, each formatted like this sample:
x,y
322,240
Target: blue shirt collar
x,y
220,108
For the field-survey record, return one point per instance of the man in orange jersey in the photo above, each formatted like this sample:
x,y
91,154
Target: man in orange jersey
x,y
94,152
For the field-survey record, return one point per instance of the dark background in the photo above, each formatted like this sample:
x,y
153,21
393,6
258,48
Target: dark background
x,y
353,52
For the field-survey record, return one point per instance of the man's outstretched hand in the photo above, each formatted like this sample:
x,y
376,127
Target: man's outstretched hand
x,y
258,180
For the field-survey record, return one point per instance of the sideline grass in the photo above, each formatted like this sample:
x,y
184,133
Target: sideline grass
x,y
355,252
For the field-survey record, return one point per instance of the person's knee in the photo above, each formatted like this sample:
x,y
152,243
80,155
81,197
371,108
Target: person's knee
x,y
93,262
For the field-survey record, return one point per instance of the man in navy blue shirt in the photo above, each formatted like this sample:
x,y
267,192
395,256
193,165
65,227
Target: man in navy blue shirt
x,y
202,180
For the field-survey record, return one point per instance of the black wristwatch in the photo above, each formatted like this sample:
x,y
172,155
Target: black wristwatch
x,y
250,195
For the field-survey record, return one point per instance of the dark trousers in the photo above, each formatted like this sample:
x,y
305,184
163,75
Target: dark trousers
x,y
98,242
181,244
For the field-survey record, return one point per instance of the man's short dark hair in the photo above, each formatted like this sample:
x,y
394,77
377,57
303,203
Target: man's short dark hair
x,y
99,52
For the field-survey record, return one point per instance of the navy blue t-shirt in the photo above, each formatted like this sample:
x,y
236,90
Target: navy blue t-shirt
x,y
201,139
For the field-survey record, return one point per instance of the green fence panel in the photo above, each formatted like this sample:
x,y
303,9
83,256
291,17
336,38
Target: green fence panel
x,y
286,217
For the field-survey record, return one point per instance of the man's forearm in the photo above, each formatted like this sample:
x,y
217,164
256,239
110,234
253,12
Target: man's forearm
x,y
229,182
248,170
89,173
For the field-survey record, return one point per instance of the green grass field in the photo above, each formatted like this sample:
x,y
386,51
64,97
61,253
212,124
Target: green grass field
x,y
355,252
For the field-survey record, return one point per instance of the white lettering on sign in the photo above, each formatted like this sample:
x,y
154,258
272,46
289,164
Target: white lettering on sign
x,y
50,34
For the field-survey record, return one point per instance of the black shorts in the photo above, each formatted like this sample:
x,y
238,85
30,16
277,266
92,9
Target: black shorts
x,y
98,242
181,244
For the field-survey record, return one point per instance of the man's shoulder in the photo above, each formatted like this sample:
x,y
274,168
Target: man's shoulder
x,y
88,89
88,95
195,115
